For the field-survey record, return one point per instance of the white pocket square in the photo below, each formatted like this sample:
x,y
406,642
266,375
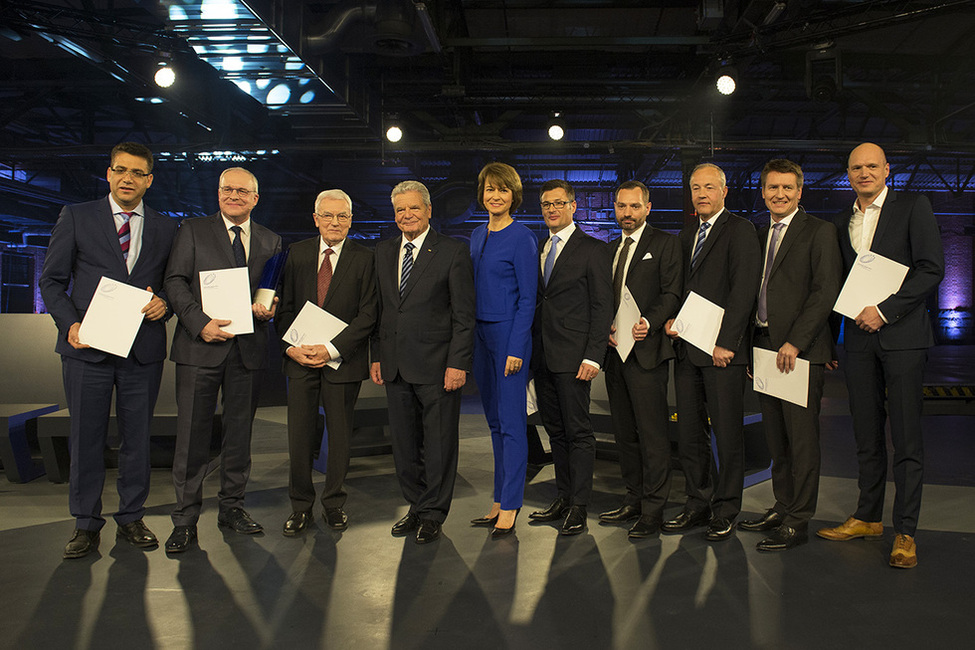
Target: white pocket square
x,y
648,256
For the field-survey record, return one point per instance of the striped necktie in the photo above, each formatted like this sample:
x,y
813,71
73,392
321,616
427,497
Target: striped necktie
x,y
702,235
407,267
324,276
124,235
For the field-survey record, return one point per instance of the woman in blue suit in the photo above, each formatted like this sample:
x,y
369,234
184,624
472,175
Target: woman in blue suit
x,y
505,260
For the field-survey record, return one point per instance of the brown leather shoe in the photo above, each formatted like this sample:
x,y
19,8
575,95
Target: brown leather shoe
x,y
904,553
853,528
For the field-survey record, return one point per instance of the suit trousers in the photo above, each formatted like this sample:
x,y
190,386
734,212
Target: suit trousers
x,y
505,408
704,391
196,401
871,375
88,389
639,409
792,434
305,393
423,423
563,402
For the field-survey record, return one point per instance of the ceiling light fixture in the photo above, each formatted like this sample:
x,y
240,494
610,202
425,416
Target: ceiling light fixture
x,y
727,80
165,76
394,133
556,127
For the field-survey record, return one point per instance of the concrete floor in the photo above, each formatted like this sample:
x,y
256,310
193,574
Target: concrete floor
x,y
365,589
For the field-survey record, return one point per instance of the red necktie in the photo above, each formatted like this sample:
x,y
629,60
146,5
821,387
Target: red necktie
x,y
324,276
124,235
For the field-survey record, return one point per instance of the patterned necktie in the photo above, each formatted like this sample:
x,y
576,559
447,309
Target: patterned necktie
x,y
324,276
702,235
619,273
769,256
124,235
550,260
240,258
407,267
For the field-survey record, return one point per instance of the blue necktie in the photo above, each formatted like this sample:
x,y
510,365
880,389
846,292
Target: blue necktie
x,y
550,260
240,258
702,235
407,267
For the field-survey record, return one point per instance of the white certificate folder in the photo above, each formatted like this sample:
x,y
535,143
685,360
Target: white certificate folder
x,y
114,316
872,280
627,316
314,326
792,387
226,295
699,321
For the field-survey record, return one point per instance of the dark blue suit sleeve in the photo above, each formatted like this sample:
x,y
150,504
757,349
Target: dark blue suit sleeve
x,y
525,258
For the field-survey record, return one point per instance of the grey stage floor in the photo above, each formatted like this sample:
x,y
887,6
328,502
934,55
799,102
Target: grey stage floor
x,y
365,589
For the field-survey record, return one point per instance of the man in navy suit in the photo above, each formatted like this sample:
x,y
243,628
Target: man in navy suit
x,y
422,352
648,263
338,275
117,237
572,316
886,348
210,360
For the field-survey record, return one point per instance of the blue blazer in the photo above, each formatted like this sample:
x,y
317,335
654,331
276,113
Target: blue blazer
x,y
506,280
84,247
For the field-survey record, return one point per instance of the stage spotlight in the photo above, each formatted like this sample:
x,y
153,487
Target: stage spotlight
x,y
556,127
394,133
165,77
726,81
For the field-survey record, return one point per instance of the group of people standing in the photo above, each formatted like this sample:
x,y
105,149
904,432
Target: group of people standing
x,y
424,311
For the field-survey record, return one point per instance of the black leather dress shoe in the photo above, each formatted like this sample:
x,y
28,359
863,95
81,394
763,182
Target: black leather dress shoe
x,y
719,529
138,534
335,518
575,521
769,521
686,520
297,522
622,514
180,539
644,527
428,531
239,521
557,510
81,544
408,523
783,538
484,521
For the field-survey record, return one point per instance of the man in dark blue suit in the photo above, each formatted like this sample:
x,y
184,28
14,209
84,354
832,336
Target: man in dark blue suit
x,y
886,349
119,238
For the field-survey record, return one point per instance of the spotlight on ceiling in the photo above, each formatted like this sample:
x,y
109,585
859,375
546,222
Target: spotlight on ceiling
x,y
394,133
165,76
727,80
556,127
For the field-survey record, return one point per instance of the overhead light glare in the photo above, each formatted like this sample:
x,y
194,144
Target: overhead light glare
x,y
165,77
726,84
556,127
394,133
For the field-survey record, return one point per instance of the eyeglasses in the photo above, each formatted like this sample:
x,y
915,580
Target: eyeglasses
x,y
328,216
241,192
558,205
137,174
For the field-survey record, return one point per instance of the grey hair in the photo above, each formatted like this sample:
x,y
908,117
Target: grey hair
x,y
412,186
333,194
239,169
724,179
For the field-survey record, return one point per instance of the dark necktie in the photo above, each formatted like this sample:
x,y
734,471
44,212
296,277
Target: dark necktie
x,y
620,272
240,258
324,276
702,235
769,257
550,260
407,267
124,235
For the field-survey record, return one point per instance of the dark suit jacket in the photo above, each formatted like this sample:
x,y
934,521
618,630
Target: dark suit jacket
x,y
351,297
805,279
727,273
907,232
657,286
84,247
202,244
431,328
574,311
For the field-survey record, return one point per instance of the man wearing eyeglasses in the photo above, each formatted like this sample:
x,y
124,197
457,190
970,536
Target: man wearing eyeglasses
x,y
337,275
120,238
210,359
573,311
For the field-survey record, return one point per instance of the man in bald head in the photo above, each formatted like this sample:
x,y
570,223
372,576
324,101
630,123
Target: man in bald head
x,y
886,349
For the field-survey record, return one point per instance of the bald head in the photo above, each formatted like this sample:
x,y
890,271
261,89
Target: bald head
x,y
867,170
